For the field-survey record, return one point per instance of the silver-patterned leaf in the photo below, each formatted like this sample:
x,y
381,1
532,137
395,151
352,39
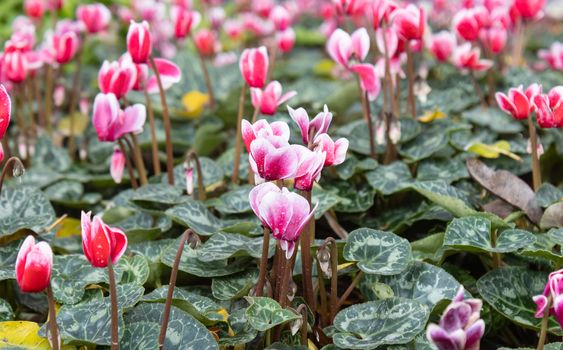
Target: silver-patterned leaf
x,y
509,290
49,156
184,331
140,335
213,174
235,201
195,215
356,197
6,312
425,144
421,281
388,179
157,196
324,201
377,252
234,286
135,269
474,234
352,166
448,170
222,246
548,194
243,331
8,254
265,313
24,207
376,323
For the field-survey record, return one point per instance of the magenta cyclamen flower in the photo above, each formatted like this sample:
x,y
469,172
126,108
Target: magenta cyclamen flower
x,y
6,110
319,124
117,165
442,45
549,108
139,42
253,66
461,326
273,159
170,74
101,242
94,17
409,22
184,21
342,46
111,122
553,56
467,58
284,213
270,98
117,77
335,150
311,164
518,103
554,291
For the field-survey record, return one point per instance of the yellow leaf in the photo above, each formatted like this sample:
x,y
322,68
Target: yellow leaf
x,y
69,227
311,345
80,124
494,150
324,67
345,265
194,102
22,334
429,116
224,313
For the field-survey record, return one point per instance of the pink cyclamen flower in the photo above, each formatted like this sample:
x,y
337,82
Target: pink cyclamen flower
x,y
170,74
529,9
467,58
280,17
262,129
117,165
34,265
64,44
494,38
553,290
5,111
273,159
518,103
189,172
335,150
285,213
94,17
342,46
285,40
369,80
101,242
59,95
409,22
460,327
14,65
391,41
381,10
206,42
216,16
1,153
319,124
466,25
184,21
139,41
553,56
117,77
270,97
311,164
442,45
111,122
34,8
349,7
253,66
549,108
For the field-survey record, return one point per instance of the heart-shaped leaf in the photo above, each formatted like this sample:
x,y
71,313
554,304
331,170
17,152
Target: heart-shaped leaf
x,y
140,335
222,246
24,207
388,179
265,313
195,215
235,286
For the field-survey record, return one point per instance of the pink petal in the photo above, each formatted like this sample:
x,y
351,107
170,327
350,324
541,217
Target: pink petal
x,y
247,134
280,164
288,247
117,165
5,110
286,97
105,113
257,194
340,149
259,149
133,120
118,243
301,118
281,129
276,211
473,335
322,121
521,103
360,43
444,340
505,104
541,304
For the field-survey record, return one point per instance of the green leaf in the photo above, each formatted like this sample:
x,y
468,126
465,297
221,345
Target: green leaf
x,y
553,216
222,246
135,269
157,196
422,282
550,346
8,254
184,331
195,215
426,144
448,170
324,200
202,308
265,313
509,291
48,156
548,195
352,166
140,335
24,207
6,312
376,323
377,252
356,197
243,331
388,179
235,286
493,118
213,174
474,234
235,201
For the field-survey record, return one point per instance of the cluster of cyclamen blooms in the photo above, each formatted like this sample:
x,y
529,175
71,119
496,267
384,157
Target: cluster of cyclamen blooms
x,y
273,158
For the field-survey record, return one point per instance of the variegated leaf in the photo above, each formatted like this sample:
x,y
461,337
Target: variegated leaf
x,y
222,246
24,207
234,286
6,312
388,179
265,313
140,335
195,215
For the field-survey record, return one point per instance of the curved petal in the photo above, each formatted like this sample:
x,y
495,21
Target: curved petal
x,y
99,245
257,194
133,120
5,110
118,243
276,211
280,163
360,43
301,118
105,114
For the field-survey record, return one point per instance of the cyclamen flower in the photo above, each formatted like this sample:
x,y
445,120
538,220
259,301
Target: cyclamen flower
x,y
270,98
184,21
553,290
311,164
253,66
381,10
64,44
139,41
169,72
319,124
342,46
117,165
34,265
518,103
5,110
273,159
369,80
34,8
101,242
494,38
549,108
285,213
391,40
529,9
467,58
461,326
442,45
285,40
553,56
117,77
335,150
14,65
466,24
262,129
280,17
94,17
409,22
206,42
111,122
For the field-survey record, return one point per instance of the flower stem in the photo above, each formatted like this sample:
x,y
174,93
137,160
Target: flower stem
x,y
496,256
322,296
21,117
171,285
138,158
192,156
49,98
332,221
37,96
154,141
167,125
53,329
205,75
536,169
114,311
305,239
333,277
349,290
12,162
255,114
302,309
367,117
263,264
128,164
410,76
75,91
544,325
478,90
238,142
